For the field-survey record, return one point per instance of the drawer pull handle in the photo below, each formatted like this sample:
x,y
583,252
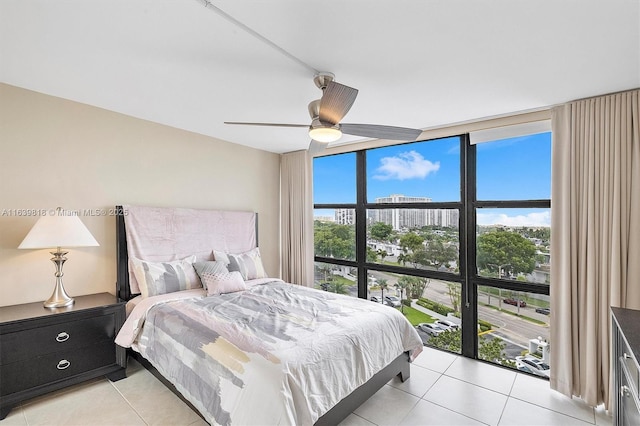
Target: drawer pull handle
x,y
63,364
62,337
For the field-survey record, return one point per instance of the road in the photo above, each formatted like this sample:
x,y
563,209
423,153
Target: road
x,y
516,331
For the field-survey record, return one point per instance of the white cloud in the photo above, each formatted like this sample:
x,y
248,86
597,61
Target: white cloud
x,y
406,165
531,219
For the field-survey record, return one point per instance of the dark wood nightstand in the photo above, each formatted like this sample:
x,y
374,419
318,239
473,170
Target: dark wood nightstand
x,y
42,350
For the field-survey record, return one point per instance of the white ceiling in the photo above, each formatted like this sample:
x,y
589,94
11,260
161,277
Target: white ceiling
x,y
420,64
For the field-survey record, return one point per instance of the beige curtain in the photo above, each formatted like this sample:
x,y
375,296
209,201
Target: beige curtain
x,y
296,181
595,222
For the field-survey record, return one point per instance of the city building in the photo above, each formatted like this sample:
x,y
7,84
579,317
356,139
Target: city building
x,y
412,218
345,216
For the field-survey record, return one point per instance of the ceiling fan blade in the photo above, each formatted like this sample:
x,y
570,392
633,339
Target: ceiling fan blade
x,y
316,147
381,132
336,102
266,124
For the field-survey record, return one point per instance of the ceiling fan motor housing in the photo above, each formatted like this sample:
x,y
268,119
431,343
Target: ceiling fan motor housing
x,y
322,79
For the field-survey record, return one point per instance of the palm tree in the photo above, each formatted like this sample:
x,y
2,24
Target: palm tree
x,y
402,285
339,287
383,286
382,253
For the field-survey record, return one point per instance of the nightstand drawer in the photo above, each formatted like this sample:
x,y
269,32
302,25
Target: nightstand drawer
x,y
34,342
57,366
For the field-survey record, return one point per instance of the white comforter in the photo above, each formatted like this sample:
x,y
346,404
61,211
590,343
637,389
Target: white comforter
x,y
274,354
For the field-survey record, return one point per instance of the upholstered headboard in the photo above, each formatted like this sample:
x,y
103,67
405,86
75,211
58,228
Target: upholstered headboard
x,y
165,234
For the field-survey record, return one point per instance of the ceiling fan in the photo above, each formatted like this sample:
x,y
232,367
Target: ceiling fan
x,y
327,112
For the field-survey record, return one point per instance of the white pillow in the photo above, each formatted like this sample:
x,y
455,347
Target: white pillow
x,y
217,279
156,278
225,283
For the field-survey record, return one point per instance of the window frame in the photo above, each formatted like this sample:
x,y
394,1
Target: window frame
x,y
467,207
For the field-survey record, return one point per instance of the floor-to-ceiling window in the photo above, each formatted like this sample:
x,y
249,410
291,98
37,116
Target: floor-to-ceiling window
x,y
454,234
509,207
334,198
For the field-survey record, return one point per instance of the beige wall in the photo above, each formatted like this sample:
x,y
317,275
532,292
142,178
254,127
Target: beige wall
x,y
55,152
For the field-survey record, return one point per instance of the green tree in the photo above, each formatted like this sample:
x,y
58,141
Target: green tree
x,y
402,285
488,349
418,288
382,253
334,240
325,270
338,287
372,255
419,257
411,242
414,285
450,340
412,250
439,253
499,248
454,290
493,350
382,283
380,231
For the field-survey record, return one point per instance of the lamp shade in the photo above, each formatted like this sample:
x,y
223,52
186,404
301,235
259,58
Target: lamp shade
x,y
58,230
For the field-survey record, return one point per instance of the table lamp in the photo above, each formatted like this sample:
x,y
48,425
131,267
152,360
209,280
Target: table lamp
x,y
62,229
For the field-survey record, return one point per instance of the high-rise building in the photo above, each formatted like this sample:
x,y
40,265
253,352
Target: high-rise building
x,y
413,218
345,216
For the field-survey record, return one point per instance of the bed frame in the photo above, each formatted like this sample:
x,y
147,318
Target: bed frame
x,y
399,367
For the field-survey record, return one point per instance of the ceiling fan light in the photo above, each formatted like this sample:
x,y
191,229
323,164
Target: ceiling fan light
x,y
325,134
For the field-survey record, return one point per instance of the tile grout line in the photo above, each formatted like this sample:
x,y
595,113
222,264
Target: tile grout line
x,y
476,385
503,408
128,403
410,410
453,411
553,410
513,384
366,420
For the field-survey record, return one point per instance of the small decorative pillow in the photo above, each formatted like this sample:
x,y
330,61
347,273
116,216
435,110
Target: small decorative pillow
x,y
210,268
217,279
156,278
249,263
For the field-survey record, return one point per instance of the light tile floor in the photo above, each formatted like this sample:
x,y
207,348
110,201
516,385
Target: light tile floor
x,y
444,389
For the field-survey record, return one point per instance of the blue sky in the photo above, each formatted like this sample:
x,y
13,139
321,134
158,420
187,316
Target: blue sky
x,y
516,168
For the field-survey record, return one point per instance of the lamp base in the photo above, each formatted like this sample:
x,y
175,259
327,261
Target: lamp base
x,y
59,298
54,302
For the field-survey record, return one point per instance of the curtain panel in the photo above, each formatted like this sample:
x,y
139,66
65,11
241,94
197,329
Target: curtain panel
x,y
595,218
296,187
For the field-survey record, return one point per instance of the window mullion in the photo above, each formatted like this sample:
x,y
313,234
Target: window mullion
x,y
469,292
361,223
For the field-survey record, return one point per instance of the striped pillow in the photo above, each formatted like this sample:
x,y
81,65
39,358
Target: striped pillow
x,y
156,278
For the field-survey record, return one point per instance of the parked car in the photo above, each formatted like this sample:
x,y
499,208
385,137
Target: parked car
x,y
535,365
449,325
523,367
375,299
545,311
431,329
392,301
515,302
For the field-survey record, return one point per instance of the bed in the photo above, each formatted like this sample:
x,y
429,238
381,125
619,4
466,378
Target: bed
x,y
250,350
